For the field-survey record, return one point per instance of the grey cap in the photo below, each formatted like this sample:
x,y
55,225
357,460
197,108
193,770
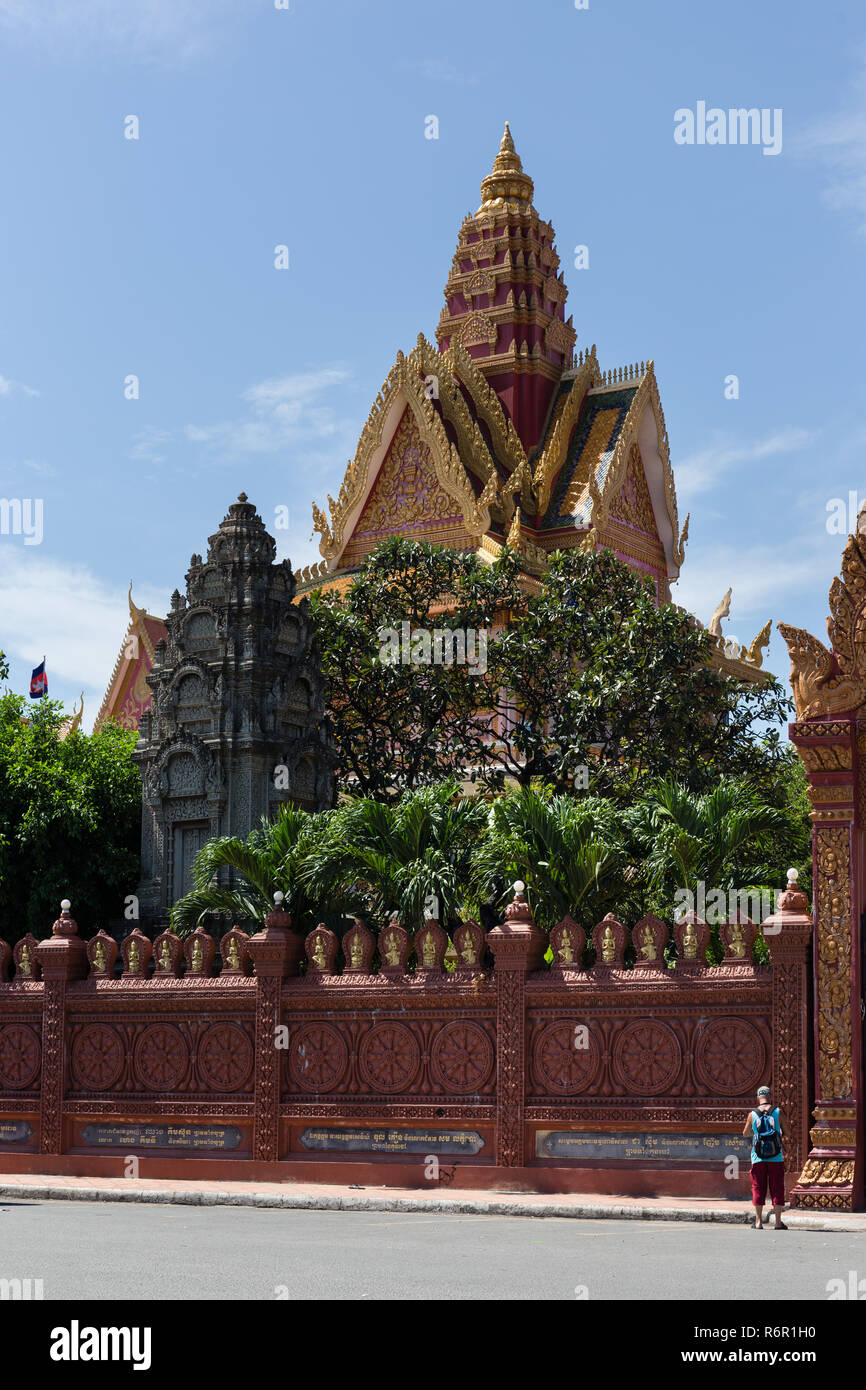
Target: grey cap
x,y
763,1090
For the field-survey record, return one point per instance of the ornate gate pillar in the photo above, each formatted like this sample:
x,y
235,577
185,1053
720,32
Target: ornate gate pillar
x,y
275,952
63,957
518,946
830,736
789,936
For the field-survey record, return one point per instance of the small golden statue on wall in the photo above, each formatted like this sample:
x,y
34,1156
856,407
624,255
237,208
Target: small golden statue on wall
x,y
357,952
133,960
566,955
24,960
319,957
99,957
197,956
392,949
428,951
608,945
468,955
648,949
736,943
164,956
690,942
233,957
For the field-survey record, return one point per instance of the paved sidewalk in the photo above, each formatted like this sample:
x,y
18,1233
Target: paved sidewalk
x,y
330,1197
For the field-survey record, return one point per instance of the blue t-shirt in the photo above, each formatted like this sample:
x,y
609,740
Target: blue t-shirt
x,y
774,1116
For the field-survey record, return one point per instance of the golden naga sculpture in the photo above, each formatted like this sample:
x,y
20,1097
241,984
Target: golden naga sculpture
x,y
833,681
721,611
755,652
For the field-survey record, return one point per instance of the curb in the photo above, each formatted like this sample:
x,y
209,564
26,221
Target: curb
x,y
306,1202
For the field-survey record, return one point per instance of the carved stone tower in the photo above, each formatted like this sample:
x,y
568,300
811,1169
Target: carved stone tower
x,y
237,722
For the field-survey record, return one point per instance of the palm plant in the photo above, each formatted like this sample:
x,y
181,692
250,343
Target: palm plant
x,y
726,837
268,860
392,859
570,854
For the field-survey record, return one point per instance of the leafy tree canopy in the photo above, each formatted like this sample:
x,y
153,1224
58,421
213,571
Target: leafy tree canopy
x,y
70,818
585,681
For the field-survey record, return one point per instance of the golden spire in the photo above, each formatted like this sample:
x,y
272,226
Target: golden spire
x,y
507,183
134,612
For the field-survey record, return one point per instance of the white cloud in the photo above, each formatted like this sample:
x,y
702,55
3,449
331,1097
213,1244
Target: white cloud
x,y
838,142
67,613
701,471
8,388
167,29
283,412
762,577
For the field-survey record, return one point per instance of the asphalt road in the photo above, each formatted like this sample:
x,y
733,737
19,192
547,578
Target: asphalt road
x,y
99,1250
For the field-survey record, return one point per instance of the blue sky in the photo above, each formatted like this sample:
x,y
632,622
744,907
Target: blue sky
x,y
306,127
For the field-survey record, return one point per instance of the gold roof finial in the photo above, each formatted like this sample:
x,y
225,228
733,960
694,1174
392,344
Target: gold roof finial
x,y
507,183
133,611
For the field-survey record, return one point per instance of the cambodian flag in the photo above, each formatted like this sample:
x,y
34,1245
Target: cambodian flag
x,y
39,682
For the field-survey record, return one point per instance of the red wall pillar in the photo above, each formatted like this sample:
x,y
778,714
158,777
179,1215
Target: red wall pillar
x,y
789,937
63,957
518,947
275,952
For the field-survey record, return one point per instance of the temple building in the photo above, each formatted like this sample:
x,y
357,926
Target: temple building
x,y
236,724
501,433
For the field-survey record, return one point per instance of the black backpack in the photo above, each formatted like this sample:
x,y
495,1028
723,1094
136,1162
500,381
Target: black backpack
x,y
768,1141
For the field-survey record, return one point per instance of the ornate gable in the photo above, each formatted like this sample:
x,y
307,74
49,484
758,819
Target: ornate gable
x,y
128,695
632,504
407,498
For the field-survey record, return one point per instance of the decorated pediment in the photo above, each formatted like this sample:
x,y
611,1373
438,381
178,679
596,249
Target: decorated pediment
x,y
411,399
632,504
407,497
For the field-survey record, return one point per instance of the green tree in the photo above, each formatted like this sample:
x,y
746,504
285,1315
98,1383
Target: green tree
x,y
569,852
393,859
70,819
602,678
608,680
268,861
727,838
400,725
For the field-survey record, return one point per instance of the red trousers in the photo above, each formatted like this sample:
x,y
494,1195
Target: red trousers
x,y
772,1173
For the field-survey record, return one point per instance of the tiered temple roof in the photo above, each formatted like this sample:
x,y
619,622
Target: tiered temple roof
x,y
502,434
